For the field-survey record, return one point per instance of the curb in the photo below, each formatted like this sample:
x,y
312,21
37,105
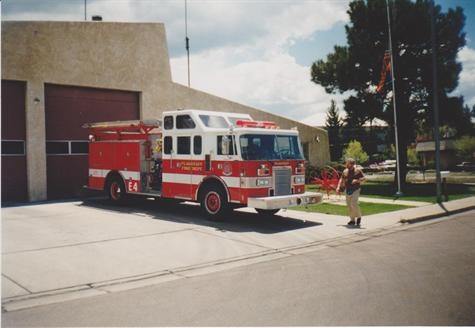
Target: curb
x,y
438,215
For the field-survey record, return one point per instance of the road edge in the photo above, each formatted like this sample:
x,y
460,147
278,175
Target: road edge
x,y
439,210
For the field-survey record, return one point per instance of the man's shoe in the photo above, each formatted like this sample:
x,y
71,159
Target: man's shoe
x,y
358,221
351,223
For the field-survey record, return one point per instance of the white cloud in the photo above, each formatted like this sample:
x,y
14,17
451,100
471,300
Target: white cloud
x,y
466,86
275,83
259,71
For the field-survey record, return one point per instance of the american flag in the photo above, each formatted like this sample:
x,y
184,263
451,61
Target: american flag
x,y
385,71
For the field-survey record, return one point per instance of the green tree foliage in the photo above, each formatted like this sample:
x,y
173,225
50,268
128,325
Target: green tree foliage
x,y
411,154
465,147
333,124
412,157
392,152
333,117
355,151
357,66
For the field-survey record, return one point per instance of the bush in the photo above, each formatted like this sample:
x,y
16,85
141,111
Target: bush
x,y
465,148
355,151
311,172
339,166
430,165
412,158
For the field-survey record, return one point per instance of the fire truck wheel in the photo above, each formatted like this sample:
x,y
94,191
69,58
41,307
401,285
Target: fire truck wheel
x,y
116,189
266,212
214,202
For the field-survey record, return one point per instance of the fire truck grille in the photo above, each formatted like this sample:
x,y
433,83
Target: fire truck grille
x,y
282,181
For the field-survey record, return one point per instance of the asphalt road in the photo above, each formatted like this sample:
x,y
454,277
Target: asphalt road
x,y
424,275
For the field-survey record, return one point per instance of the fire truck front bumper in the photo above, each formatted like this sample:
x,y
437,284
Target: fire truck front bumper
x,y
276,202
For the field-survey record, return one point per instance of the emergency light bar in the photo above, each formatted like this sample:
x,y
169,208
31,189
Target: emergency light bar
x,y
256,124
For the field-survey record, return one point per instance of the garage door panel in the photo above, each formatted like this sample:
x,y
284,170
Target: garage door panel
x,y
13,110
14,179
94,94
13,172
66,175
67,109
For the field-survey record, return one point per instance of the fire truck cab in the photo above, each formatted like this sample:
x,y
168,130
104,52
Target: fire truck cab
x,y
221,160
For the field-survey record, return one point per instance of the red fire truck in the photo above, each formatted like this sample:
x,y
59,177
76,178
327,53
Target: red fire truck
x,y
221,160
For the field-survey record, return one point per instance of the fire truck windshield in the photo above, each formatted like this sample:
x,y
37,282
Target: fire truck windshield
x,y
269,147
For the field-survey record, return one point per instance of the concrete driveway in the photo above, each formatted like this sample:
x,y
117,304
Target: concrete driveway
x,y
93,247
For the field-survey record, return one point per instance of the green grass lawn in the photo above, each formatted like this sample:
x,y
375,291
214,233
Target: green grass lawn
x,y
424,192
366,208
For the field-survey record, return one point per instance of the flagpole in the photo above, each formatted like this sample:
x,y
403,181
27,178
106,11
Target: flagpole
x,y
398,168
187,40
435,103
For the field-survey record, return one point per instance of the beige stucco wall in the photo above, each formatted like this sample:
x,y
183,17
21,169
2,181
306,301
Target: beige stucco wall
x,y
121,56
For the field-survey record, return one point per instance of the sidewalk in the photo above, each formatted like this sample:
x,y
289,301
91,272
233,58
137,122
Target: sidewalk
x,y
340,200
58,251
414,215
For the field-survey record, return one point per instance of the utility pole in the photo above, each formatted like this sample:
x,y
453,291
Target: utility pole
x,y
85,10
435,102
393,77
187,40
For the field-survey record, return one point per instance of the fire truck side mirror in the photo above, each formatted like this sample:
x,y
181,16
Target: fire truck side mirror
x,y
225,145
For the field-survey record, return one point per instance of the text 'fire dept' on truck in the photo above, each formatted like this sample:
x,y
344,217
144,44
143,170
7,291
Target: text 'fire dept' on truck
x,y
221,160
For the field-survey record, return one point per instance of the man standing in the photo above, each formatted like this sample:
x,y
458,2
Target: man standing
x,y
352,179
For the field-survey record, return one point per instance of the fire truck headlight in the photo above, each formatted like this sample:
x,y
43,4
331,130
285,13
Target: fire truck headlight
x,y
299,180
262,182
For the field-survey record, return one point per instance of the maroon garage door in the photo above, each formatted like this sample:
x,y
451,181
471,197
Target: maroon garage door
x,y
14,185
67,109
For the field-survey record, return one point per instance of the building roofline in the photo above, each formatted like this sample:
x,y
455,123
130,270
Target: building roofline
x,y
258,109
79,22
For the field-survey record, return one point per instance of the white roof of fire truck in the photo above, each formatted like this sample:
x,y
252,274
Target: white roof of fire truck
x,y
198,120
213,121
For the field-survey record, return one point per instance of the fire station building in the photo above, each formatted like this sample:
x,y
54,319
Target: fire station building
x,y
56,76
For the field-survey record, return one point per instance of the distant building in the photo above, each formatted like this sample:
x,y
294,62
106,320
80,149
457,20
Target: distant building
x,y
58,75
426,149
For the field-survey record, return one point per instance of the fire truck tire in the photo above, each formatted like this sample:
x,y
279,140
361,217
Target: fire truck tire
x,y
267,212
115,189
214,202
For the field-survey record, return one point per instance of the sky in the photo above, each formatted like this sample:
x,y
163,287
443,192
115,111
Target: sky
x,y
255,52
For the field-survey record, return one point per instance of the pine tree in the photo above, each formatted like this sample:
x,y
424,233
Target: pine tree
x,y
333,124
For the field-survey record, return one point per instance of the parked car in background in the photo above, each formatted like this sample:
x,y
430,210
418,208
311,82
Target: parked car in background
x,y
466,166
374,167
388,164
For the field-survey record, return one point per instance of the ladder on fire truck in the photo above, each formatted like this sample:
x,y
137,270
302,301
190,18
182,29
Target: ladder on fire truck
x,y
123,130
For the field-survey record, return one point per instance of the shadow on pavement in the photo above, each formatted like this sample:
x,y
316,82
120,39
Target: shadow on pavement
x,y
351,227
172,211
